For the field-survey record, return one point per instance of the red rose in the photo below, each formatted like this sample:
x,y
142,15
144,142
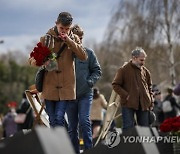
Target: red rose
x,y
40,53
176,126
170,124
165,128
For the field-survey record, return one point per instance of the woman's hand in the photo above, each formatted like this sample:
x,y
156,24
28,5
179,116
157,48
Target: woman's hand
x,y
32,61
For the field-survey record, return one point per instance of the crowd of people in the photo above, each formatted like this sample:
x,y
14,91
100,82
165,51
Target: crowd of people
x,y
166,106
9,124
70,90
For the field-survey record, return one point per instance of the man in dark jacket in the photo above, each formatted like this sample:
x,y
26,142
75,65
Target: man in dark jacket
x,y
78,111
133,83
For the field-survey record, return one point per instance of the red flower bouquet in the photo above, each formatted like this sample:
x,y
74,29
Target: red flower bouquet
x,y
171,125
41,54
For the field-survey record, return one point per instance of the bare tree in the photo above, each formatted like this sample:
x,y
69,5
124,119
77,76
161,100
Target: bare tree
x,y
154,25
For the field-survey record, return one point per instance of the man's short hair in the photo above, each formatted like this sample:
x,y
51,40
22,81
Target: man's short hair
x,y
76,29
138,51
65,18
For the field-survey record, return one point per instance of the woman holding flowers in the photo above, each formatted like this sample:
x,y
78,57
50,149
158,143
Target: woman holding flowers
x,y
59,84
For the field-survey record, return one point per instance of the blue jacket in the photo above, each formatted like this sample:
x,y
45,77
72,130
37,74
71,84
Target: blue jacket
x,y
87,73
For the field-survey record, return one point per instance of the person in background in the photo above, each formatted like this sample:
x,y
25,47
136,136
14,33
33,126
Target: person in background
x,y
78,111
96,115
59,86
177,89
171,104
23,108
158,107
1,127
134,85
9,126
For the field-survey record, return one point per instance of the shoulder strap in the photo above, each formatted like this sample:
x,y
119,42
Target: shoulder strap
x,y
48,40
28,109
61,50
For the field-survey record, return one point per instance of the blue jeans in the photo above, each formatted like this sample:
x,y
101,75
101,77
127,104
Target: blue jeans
x,y
56,111
128,117
78,111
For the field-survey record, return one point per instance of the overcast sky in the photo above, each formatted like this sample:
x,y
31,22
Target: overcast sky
x,y
22,21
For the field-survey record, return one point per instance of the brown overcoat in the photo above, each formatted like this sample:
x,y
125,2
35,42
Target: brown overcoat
x,y
134,86
60,84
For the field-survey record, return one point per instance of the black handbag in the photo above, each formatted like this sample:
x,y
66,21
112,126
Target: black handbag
x,y
41,71
39,78
152,117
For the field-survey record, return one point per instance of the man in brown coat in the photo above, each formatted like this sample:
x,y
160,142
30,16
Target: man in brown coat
x,y
133,83
59,86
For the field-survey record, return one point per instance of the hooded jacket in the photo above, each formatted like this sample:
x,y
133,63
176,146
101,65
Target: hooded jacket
x,y
60,84
135,83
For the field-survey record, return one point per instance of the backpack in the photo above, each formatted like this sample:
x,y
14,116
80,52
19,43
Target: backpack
x,y
166,106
